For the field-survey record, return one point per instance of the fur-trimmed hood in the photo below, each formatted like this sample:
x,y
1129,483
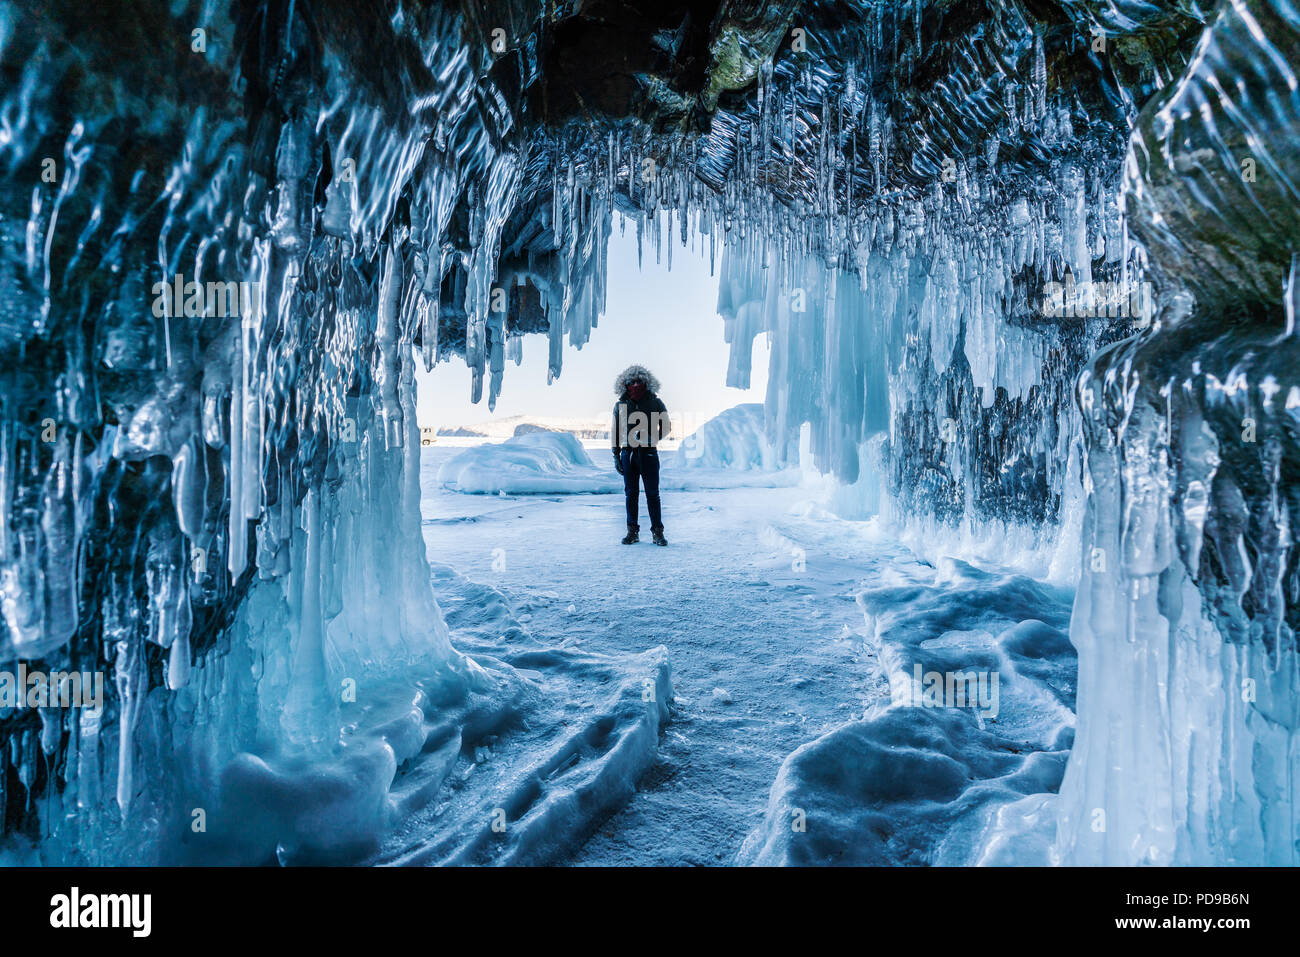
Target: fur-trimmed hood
x,y
624,379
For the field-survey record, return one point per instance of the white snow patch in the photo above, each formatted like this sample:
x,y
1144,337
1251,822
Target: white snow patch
x,y
733,439
926,778
536,463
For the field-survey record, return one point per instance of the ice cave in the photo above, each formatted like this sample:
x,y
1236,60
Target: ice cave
x,y
1025,273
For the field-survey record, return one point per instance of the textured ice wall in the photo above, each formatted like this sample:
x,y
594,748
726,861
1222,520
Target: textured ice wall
x,y
211,494
1189,601
907,305
174,481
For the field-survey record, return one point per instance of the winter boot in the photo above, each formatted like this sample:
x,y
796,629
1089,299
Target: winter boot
x,y
658,534
631,538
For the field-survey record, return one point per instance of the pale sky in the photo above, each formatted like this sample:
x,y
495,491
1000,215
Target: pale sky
x,y
666,321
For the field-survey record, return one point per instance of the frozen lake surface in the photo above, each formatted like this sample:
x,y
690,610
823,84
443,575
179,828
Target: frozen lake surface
x,y
784,626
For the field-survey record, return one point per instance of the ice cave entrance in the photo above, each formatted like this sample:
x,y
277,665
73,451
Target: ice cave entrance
x,y
790,619
661,313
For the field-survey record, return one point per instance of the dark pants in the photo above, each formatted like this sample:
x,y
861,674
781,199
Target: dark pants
x,y
642,465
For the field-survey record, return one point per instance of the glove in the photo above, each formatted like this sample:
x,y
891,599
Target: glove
x,y
618,462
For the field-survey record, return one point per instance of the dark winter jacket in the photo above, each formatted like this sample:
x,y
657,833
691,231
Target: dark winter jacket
x,y
638,423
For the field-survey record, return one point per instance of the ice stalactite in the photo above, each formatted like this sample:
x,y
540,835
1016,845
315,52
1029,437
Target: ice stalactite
x,y
914,328
209,468
1189,601
1185,616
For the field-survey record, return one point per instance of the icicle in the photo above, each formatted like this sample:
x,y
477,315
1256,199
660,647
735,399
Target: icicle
x,y
1292,293
1039,81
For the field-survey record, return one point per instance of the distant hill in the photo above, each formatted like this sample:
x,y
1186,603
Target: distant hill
x,y
509,426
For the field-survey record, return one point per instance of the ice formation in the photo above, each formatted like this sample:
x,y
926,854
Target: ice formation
x,y
978,713
529,464
1190,593
733,439
230,229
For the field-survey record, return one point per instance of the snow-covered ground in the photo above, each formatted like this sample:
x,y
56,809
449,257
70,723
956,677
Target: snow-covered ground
x,y
794,733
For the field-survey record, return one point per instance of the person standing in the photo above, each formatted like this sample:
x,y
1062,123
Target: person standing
x,y
640,424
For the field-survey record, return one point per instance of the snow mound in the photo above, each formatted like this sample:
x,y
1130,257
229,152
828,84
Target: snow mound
x,y
733,439
528,771
555,463
980,678
535,463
